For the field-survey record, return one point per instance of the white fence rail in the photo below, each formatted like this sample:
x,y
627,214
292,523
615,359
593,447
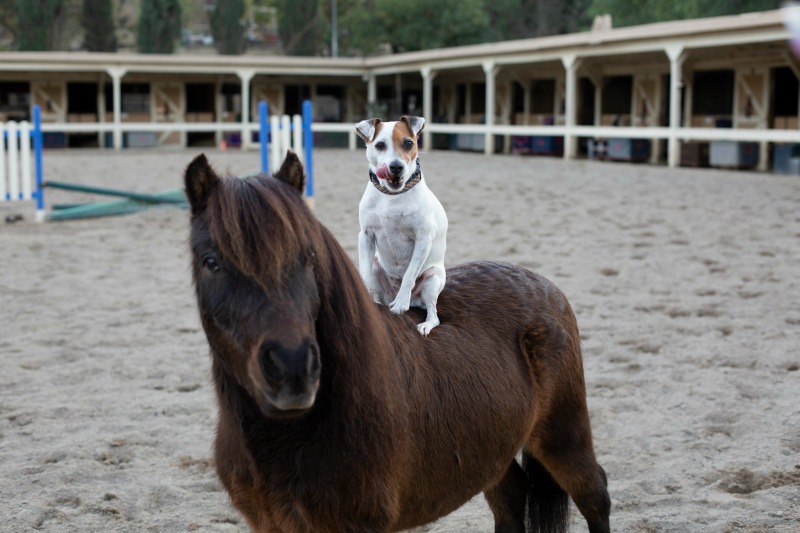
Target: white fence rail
x,y
681,134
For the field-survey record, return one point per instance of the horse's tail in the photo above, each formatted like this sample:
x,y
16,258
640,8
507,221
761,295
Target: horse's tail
x,y
548,503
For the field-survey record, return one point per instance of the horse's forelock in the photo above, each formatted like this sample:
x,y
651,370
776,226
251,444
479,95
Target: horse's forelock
x,y
258,227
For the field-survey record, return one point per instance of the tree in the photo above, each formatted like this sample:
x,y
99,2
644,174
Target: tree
x,y
40,23
522,19
159,26
408,25
632,12
567,16
300,27
8,18
226,26
713,8
98,26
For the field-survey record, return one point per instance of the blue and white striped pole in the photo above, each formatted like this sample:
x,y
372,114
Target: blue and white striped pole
x,y
263,135
37,158
308,146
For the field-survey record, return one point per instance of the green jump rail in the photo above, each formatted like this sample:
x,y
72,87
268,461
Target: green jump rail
x,y
129,202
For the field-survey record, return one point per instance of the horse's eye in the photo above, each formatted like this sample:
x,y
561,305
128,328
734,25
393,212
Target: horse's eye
x,y
211,264
408,144
380,146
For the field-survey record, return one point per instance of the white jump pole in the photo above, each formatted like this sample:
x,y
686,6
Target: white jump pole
x,y
297,136
25,159
285,135
13,160
275,144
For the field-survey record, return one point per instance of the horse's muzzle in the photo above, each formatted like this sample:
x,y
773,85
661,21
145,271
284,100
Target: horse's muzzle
x,y
290,376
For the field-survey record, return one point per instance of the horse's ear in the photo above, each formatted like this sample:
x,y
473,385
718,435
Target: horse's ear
x,y
200,180
291,172
366,129
415,124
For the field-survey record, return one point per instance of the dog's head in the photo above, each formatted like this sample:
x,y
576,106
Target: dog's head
x,y
392,148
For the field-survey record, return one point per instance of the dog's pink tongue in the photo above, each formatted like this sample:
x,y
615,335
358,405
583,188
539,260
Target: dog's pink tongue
x,y
383,172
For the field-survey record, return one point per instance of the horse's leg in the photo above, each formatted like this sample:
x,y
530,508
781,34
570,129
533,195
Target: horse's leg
x,y
565,451
585,481
507,501
561,437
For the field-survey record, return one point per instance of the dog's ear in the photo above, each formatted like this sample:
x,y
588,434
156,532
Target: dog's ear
x,y
416,124
291,172
366,129
200,180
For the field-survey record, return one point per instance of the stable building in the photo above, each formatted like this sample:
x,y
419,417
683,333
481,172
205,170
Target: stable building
x,y
719,91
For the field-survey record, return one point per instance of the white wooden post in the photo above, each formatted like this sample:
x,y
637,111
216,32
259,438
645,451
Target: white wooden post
x,y
570,67
245,76
116,74
676,58
427,104
490,70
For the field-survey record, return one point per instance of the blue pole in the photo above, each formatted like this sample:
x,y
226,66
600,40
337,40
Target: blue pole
x,y
37,157
308,146
263,135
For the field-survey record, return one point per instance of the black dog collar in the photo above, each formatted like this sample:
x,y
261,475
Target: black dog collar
x,y
413,180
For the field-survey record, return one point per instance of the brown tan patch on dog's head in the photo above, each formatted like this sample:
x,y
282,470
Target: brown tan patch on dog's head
x,y
405,135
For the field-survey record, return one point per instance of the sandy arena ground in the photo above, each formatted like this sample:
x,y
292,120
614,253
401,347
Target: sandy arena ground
x,y
685,284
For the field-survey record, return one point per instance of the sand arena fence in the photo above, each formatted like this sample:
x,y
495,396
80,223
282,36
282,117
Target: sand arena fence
x,y
21,162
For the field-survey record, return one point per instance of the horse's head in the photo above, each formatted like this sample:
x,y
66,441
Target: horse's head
x,y
253,244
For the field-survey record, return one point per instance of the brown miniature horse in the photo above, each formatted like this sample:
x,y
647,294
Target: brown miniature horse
x,y
337,416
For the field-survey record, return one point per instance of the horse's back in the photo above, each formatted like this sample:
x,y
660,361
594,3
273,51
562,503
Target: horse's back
x,y
470,384
503,303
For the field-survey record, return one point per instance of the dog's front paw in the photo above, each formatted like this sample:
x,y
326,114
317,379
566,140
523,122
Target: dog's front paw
x,y
425,327
399,305
374,290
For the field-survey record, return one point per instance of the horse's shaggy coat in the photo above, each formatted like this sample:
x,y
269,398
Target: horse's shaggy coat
x,y
385,429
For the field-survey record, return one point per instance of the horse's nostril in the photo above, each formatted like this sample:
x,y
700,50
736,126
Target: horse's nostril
x,y
314,363
271,366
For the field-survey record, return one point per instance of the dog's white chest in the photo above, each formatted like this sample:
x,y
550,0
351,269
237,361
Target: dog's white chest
x,y
395,225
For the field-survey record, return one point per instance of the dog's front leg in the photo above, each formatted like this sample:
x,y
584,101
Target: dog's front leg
x,y
366,256
422,248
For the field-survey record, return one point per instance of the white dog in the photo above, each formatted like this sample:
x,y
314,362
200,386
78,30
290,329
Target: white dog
x,y
401,244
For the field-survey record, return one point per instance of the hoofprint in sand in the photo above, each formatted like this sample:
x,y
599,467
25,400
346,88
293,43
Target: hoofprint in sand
x,y
685,284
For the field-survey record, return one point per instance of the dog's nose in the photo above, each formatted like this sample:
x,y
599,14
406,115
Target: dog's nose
x,y
396,167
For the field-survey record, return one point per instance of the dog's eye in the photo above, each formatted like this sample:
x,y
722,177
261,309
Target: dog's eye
x,y
211,264
408,144
380,146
